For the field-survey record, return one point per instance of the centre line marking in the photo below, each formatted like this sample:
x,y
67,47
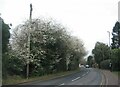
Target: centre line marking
x,y
83,75
75,78
62,84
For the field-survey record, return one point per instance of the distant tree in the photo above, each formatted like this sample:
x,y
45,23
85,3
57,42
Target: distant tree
x,y
76,51
116,36
90,60
101,52
83,61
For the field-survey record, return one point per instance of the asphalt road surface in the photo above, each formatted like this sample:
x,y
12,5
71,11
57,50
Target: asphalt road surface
x,y
86,76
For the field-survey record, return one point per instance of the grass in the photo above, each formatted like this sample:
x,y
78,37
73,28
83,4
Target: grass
x,y
12,80
117,73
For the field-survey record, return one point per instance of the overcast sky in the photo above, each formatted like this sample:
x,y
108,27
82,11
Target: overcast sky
x,y
89,20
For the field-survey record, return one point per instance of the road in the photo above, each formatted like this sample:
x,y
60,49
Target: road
x,y
86,76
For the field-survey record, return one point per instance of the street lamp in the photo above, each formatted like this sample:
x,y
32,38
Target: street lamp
x,y
110,65
109,37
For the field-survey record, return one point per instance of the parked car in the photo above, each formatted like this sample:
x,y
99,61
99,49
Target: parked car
x,y
87,66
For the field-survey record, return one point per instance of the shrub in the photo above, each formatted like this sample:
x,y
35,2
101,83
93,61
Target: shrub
x,y
115,58
105,64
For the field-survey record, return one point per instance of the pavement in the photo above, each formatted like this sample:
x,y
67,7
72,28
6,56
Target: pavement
x,y
110,78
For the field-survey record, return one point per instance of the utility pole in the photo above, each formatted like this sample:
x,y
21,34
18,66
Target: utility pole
x,y
31,9
28,60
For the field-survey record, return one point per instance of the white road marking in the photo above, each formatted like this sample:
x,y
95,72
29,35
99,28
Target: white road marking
x,y
62,84
106,81
75,78
83,74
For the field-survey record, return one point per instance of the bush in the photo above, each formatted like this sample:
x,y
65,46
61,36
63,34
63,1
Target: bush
x,y
11,65
105,64
115,58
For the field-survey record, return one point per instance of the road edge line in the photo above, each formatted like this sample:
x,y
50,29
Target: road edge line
x,y
103,79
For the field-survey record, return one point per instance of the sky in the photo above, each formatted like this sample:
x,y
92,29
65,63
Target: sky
x,y
89,20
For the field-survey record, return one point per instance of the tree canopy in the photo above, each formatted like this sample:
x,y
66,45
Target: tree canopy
x,y
5,48
115,52
116,36
52,48
101,52
90,60
5,36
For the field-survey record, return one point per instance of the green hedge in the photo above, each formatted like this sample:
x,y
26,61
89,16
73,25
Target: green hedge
x,y
115,58
105,64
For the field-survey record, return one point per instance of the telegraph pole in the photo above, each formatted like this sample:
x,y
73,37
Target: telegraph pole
x,y
28,60
31,9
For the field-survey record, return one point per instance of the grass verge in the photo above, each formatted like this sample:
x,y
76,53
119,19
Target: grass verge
x,y
117,73
13,80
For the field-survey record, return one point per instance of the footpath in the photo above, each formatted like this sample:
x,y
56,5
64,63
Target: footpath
x,y
110,78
